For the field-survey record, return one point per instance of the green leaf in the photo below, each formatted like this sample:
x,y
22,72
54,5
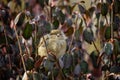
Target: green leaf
x,y
56,24
115,69
84,67
116,46
94,56
47,25
29,63
108,48
69,9
108,33
104,9
27,32
61,17
36,76
55,72
88,35
117,6
48,65
3,40
67,60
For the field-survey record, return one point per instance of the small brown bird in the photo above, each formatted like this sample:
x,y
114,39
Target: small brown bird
x,y
55,42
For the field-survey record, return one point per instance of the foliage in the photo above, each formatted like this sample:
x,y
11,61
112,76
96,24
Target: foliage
x,y
59,40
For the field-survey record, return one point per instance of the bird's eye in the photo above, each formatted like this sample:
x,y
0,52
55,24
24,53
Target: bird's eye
x,y
58,35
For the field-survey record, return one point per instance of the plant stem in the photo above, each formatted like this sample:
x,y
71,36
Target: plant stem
x,y
20,49
27,49
106,20
111,20
96,47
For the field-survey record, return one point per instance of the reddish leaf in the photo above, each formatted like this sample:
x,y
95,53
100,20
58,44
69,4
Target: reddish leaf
x,y
38,62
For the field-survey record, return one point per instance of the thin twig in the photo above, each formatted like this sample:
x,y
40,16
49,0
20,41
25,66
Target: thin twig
x,y
20,48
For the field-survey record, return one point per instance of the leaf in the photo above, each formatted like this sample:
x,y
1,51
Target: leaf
x,y
69,32
117,6
27,32
55,72
47,26
21,19
36,76
116,23
3,40
17,18
77,69
41,2
56,24
69,22
108,48
48,65
84,67
61,17
88,35
38,62
91,10
104,9
81,9
67,60
29,63
69,9
79,31
107,33
115,69
116,46
94,56
109,1
105,67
